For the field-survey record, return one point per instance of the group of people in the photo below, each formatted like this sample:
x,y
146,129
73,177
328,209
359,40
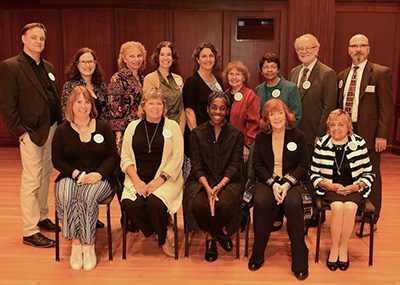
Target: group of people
x,y
189,142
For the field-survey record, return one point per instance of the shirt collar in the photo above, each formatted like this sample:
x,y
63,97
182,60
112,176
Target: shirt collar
x,y
31,60
311,66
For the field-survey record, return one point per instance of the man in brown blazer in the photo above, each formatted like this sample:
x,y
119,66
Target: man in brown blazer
x,y
29,100
372,107
318,93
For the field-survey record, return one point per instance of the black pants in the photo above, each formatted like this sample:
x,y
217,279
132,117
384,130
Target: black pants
x,y
264,214
223,211
149,214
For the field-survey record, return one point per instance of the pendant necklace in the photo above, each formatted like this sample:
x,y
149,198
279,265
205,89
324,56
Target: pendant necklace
x,y
341,162
147,135
82,128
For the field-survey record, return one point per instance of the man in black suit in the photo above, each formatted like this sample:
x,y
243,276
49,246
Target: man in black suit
x,y
29,99
366,93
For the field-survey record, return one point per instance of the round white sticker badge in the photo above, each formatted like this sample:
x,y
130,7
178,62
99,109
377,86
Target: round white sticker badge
x,y
238,96
292,146
306,84
98,138
352,146
276,93
178,82
51,76
167,134
340,84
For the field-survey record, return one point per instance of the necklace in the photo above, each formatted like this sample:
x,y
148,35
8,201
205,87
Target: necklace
x,y
82,128
147,135
341,162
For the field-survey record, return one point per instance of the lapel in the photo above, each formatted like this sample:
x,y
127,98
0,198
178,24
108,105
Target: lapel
x,y
313,74
365,79
27,68
341,90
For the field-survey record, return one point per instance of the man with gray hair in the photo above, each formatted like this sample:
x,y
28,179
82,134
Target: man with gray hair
x,y
318,93
366,93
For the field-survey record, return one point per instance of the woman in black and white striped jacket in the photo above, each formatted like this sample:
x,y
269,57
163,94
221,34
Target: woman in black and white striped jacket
x,y
342,175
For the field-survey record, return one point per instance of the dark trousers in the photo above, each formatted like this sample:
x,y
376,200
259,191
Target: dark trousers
x,y
264,214
376,194
223,211
149,214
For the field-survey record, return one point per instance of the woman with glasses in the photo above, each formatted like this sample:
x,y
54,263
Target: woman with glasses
x,y
84,70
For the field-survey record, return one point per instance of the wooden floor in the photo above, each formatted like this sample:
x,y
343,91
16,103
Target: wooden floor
x,y
147,264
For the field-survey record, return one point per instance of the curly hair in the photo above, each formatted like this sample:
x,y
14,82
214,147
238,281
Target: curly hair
x,y
128,46
239,66
199,48
271,106
156,54
72,71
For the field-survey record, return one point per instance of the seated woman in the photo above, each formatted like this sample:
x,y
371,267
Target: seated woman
x,y
85,153
214,188
280,163
152,157
342,176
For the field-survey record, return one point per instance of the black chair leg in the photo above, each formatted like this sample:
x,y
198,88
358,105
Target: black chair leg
x,y
110,257
124,226
57,238
246,240
318,237
238,243
362,225
371,240
176,235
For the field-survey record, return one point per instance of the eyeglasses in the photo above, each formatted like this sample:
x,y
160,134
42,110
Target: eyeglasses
x,y
84,62
359,46
308,48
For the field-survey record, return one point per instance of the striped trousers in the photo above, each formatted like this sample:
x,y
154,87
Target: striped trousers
x,y
78,209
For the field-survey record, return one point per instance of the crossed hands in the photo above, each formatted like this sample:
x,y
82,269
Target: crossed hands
x,y
280,191
340,189
212,195
144,189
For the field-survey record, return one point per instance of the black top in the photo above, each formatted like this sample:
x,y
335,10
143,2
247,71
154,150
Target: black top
x,y
344,177
44,79
148,163
70,153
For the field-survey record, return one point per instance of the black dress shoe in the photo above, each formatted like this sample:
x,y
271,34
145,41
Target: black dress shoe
x,y
253,266
277,226
211,250
99,224
301,274
225,242
332,266
38,240
344,265
47,225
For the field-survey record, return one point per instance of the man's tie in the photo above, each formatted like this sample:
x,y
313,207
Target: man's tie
x,y
303,79
348,107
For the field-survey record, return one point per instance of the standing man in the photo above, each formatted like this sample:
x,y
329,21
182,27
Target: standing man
x,y
318,93
29,99
366,93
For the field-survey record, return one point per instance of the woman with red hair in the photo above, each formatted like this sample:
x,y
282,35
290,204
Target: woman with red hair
x,y
280,163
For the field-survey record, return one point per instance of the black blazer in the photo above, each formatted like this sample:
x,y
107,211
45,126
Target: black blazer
x,y
23,101
295,158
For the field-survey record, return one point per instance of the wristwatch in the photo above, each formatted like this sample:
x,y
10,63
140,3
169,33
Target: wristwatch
x,y
163,177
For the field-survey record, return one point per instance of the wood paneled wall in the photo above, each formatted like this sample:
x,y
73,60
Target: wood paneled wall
x,y
104,25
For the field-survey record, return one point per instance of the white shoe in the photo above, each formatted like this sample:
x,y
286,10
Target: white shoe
x,y
168,248
89,257
76,261
170,235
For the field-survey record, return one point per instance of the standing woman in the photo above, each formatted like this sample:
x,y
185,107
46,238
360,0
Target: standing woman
x,y
199,86
85,154
214,188
164,57
125,88
245,108
84,70
281,164
341,174
151,157
277,87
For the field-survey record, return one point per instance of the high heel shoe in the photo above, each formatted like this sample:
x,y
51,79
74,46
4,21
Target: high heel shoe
x,y
344,265
332,266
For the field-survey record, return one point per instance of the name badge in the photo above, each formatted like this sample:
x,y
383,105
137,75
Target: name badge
x,y
370,89
51,76
238,96
292,146
167,134
178,82
306,84
340,84
276,93
98,138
